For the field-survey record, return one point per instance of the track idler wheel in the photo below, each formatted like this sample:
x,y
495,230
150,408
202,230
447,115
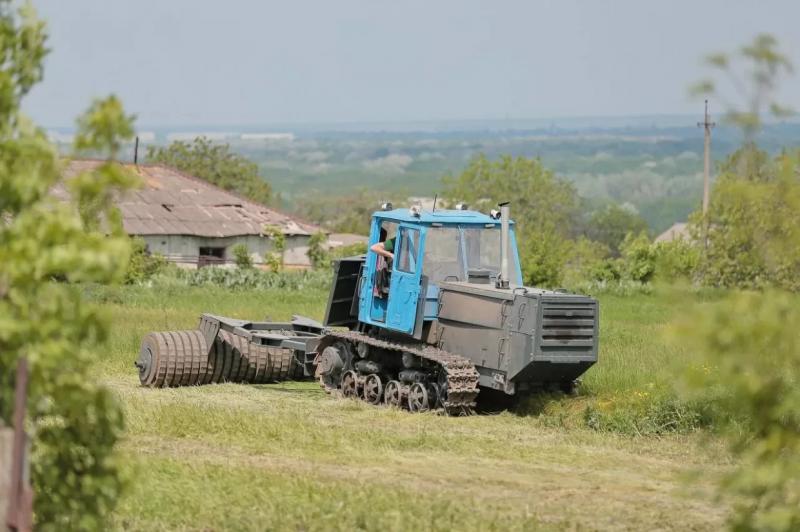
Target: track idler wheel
x,y
373,389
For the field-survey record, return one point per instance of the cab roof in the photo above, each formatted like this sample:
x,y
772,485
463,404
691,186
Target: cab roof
x,y
443,216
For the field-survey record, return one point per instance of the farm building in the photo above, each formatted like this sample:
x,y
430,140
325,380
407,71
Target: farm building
x,y
194,223
678,231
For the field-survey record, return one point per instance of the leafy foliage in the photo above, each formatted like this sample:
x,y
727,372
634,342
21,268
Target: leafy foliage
x,y
143,264
638,258
749,348
317,253
344,214
612,224
348,251
321,256
676,259
753,238
274,258
215,163
544,208
75,423
763,65
241,255
243,279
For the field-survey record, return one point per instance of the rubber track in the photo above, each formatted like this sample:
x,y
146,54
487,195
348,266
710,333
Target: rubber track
x,y
462,377
182,358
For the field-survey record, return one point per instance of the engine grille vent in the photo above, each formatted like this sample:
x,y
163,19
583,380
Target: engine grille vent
x,y
568,328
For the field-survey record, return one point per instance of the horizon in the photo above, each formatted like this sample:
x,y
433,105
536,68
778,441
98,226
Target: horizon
x,y
566,123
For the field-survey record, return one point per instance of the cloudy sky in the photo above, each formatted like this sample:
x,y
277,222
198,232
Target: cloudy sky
x,y
193,62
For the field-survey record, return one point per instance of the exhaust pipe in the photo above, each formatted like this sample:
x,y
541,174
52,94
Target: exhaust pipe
x,y
502,279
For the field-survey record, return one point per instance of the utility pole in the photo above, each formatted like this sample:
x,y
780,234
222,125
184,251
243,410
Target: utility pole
x,y
707,124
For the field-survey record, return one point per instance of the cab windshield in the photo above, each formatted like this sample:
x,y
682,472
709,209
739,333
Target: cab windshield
x,y
452,251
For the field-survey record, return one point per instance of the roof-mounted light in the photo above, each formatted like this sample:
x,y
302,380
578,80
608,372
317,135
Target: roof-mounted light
x,y
415,210
386,206
462,206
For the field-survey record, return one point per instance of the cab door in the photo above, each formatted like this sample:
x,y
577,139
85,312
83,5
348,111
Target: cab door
x,y
404,287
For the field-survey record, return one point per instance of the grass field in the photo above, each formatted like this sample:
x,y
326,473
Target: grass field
x,y
287,456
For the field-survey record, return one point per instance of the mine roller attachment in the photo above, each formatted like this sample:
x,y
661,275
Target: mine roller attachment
x,y
172,358
227,350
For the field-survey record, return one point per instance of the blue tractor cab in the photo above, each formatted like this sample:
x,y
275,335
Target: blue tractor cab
x,y
429,248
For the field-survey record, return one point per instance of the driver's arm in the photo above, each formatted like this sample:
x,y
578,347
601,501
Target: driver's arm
x,y
380,249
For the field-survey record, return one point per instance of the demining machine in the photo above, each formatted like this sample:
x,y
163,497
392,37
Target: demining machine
x,y
427,329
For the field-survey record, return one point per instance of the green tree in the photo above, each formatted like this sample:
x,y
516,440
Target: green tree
x,y
215,163
763,66
544,208
74,422
612,224
748,355
343,214
754,238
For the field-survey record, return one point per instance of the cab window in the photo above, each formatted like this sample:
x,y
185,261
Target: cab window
x,y
406,255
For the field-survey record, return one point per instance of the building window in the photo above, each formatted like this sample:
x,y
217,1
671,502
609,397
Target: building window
x,y
209,256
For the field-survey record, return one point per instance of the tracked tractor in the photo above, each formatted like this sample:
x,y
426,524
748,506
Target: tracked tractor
x,y
426,329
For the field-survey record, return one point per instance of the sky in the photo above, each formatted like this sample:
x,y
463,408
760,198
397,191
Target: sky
x,y
264,62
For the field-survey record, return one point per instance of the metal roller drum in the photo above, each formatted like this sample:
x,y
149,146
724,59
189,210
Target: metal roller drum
x,y
182,358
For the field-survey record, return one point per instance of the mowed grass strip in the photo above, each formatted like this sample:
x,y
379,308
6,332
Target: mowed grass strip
x,y
288,456
378,468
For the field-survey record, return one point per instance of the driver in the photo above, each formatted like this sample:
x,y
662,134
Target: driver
x,y
384,247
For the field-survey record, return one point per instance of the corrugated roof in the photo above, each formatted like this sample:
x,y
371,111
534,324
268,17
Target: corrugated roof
x,y
173,203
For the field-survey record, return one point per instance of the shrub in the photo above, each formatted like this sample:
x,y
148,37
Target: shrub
x,y
676,259
274,258
142,264
748,347
317,253
241,255
638,258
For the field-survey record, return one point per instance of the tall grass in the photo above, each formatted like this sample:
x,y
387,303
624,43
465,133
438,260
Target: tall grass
x,y
288,456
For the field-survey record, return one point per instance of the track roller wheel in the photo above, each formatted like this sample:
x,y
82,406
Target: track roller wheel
x,y
392,395
434,395
373,389
350,384
418,398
